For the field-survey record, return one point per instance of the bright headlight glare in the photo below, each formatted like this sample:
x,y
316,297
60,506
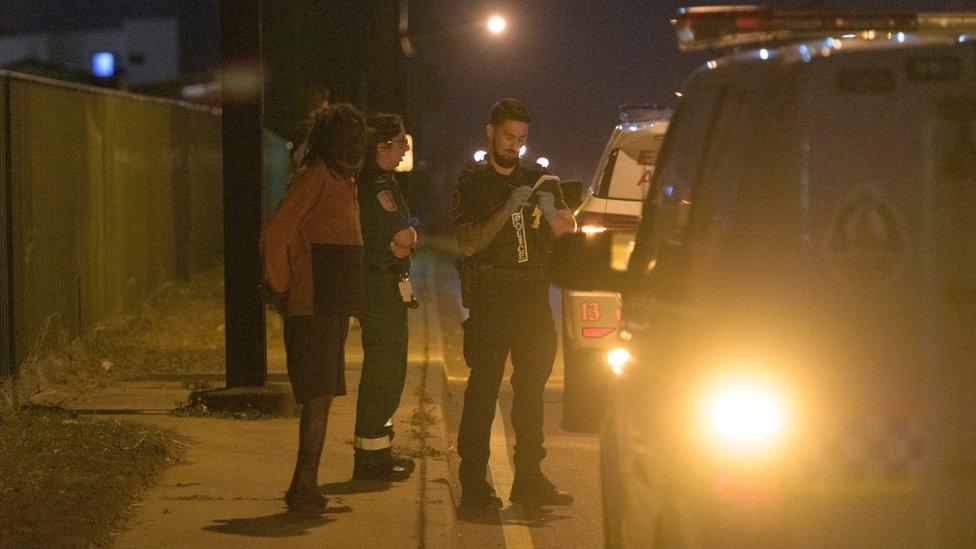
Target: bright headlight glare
x,y
618,358
745,413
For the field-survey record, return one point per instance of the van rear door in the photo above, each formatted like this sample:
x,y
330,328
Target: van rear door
x,y
888,192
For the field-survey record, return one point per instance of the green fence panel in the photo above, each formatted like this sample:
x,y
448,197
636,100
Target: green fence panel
x,y
7,361
204,179
112,195
50,156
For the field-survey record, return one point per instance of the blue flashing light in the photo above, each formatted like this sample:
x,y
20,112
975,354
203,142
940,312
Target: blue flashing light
x,y
805,53
764,54
900,37
103,64
669,191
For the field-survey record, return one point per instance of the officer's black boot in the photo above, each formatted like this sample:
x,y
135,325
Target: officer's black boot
x,y
381,465
531,487
477,496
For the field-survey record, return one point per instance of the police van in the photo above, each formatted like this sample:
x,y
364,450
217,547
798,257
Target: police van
x,y
797,361
613,205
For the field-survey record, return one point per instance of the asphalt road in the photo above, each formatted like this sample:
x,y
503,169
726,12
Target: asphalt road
x,y
573,458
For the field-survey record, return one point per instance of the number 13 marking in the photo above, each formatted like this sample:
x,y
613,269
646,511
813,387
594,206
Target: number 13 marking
x,y
589,311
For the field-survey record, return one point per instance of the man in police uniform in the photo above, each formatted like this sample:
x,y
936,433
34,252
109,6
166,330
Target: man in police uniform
x,y
388,241
505,225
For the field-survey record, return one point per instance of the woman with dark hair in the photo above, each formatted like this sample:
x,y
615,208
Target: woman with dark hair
x,y
389,239
312,248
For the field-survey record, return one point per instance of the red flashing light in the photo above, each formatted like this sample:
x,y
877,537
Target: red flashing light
x,y
726,26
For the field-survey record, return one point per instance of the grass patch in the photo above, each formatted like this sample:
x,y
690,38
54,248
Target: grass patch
x,y
177,329
69,480
422,417
421,420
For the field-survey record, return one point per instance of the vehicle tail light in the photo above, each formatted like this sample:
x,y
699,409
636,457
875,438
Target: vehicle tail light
x,y
595,332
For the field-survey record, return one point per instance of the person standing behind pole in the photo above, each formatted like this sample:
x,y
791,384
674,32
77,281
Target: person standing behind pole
x,y
312,248
505,231
389,239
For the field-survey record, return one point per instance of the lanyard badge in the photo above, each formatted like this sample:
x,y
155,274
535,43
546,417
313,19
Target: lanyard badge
x,y
406,292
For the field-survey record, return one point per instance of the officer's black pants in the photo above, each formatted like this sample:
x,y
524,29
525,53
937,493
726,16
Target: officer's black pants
x,y
506,317
384,324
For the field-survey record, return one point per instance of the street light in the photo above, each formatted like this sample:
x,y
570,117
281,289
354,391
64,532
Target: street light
x,y
496,24
480,155
543,161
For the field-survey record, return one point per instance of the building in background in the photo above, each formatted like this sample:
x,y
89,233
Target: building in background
x,y
139,53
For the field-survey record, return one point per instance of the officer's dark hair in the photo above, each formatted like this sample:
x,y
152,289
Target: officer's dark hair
x,y
380,128
508,109
338,139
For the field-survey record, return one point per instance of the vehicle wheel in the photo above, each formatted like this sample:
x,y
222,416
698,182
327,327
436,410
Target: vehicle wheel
x,y
614,499
586,378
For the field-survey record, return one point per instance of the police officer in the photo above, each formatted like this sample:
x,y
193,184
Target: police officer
x,y
388,239
505,225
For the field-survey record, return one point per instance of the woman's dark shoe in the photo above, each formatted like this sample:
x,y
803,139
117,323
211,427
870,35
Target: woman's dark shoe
x,y
304,501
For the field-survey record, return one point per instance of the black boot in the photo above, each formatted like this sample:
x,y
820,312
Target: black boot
x,y
381,466
478,498
534,489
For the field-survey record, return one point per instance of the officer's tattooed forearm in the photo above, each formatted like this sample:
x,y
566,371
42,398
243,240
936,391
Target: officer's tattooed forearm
x,y
474,237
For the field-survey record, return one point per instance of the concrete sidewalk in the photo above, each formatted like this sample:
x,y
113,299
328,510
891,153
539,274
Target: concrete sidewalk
x,y
227,491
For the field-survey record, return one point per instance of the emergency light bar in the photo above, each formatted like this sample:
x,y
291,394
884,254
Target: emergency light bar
x,y
707,27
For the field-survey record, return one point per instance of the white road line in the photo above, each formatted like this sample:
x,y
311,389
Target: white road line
x,y
517,535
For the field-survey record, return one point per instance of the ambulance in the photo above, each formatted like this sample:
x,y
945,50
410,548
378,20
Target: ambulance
x,y
612,204
797,351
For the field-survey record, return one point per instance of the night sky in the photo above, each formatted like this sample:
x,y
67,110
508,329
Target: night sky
x,y
573,62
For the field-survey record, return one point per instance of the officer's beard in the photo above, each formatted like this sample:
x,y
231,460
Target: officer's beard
x,y
504,161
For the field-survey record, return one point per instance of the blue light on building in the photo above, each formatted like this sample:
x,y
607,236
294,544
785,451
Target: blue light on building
x,y
103,64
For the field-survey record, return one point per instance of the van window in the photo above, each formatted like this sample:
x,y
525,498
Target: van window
x,y
679,165
630,165
683,165
715,197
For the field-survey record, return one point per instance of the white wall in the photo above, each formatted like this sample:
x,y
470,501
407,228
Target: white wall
x,y
19,48
156,41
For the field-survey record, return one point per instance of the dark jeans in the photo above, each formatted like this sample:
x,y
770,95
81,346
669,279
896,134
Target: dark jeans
x,y
384,324
507,316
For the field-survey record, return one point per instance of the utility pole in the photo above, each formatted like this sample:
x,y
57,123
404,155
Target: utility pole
x,y
242,83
